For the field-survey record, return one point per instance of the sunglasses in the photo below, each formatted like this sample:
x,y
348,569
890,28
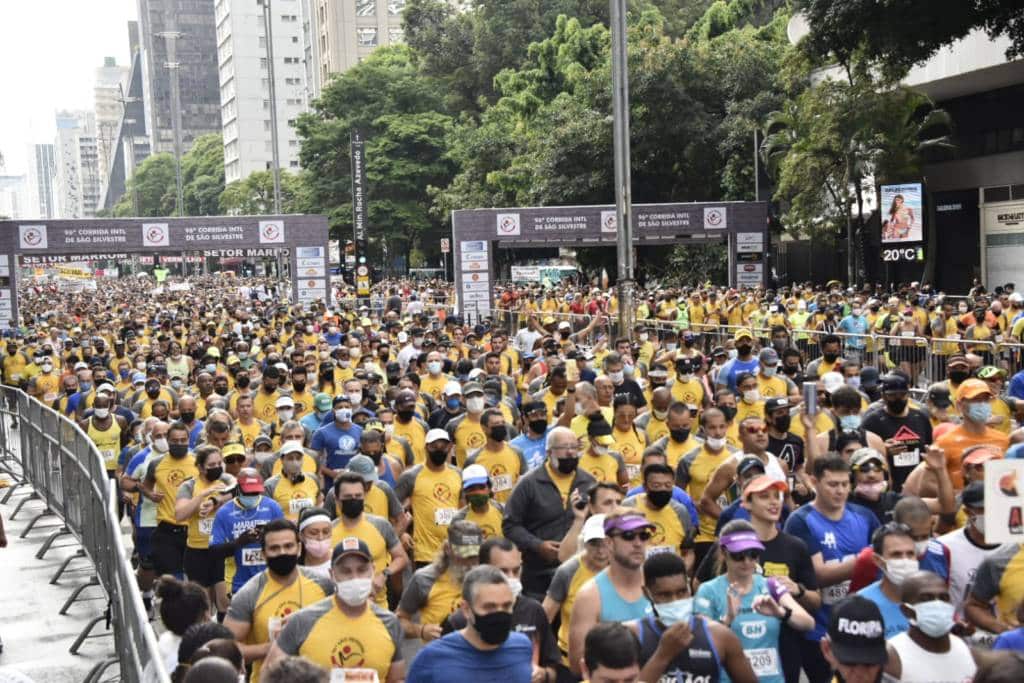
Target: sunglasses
x,y
753,429
869,467
752,554
232,459
631,536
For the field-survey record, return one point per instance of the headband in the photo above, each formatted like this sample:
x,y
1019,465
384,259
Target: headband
x,y
313,519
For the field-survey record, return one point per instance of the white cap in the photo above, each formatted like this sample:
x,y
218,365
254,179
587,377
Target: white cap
x,y
565,324
474,475
282,367
453,389
474,373
81,366
832,381
403,337
593,528
285,402
1017,298
292,447
437,435
105,388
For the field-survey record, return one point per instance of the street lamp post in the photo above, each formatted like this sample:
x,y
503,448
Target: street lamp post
x,y
276,156
623,182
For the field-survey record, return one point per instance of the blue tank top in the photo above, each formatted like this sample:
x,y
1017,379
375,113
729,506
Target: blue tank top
x,y
613,607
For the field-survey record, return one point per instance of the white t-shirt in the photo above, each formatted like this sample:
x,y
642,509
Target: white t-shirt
x,y
964,558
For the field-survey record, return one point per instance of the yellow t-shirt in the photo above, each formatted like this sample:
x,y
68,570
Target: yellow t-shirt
x,y
489,520
108,442
170,473
415,433
374,531
699,470
656,428
690,393
469,436
199,528
264,406
630,445
434,386
327,637
580,575
504,468
249,432
434,500
294,498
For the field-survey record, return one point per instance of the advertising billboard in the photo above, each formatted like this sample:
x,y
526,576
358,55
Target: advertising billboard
x,y
902,213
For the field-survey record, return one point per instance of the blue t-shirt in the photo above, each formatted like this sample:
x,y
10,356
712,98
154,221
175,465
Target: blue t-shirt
x,y
452,658
727,375
854,325
133,465
337,444
533,449
837,541
678,495
193,436
230,522
313,421
892,617
1010,640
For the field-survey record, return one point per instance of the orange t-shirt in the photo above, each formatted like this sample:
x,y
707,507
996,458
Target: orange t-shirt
x,y
957,440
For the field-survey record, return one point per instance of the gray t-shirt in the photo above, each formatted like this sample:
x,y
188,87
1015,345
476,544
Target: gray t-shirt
x,y
302,624
244,602
415,595
560,582
382,526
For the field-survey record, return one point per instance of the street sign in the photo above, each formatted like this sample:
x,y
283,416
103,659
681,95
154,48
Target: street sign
x,y
446,245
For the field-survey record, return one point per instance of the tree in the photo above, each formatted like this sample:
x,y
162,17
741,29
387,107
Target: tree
x,y
254,195
202,176
154,184
899,34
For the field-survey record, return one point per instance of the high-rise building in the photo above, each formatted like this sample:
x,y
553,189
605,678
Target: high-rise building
x,y
41,170
14,201
179,36
346,31
110,88
245,84
77,165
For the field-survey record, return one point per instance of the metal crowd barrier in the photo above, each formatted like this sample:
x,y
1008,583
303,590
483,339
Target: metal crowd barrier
x,y
50,459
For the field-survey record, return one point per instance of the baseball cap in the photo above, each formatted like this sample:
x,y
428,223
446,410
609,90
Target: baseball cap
x,y
531,406
249,481
472,388
857,632
465,538
350,545
213,352
742,334
739,541
938,394
862,456
292,447
437,435
403,337
81,366
972,388
832,381
105,388
139,378
894,382
630,521
973,495
869,377
453,389
593,528
768,356
718,351
232,449
565,325
474,475
773,404
322,403
957,359
981,454
764,483
285,402
991,372
1017,298
748,462
262,440
363,466
548,320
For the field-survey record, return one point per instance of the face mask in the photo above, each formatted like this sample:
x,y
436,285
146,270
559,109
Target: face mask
x,y
896,406
478,500
679,435
871,491
715,444
684,376
790,369
538,426
311,377
856,312
221,390
438,457
517,587
674,612
434,367
178,450
600,451
494,627
979,412
298,385
934,618
499,432
849,423
898,570
782,423
568,465
214,473
356,398
188,416
353,507
354,592
729,412
282,565
101,413
958,376
285,415
123,374
854,381
670,347
475,404
405,414
979,524
249,501
263,457
291,467
744,350
317,548
660,414
210,368
343,414
160,445
141,365
84,386
769,371
659,499
751,396
417,341
616,377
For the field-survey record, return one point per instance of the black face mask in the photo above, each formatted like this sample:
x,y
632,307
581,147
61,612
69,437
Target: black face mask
x,y
896,405
267,388
178,450
538,426
188,416
405,415
214,473
729,412
744,350
568,465
494,627
782,422
282,565
958,376
499,432
679,435
153,393
790,369
352,507
375,457
438,457
830,357
220,391
242,381
299,386
659,499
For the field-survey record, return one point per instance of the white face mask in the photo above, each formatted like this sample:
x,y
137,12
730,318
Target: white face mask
x,y
343,415
643,337
600,450
660,414
356,397
769,371
685,377
897,570
517,587
285,415
475,404
434,367
715,444
616,377
751,396
160,445
354,592
579,408
101,413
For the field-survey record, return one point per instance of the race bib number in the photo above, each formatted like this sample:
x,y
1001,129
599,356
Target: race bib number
x,y
502,482
764,661
206,526
444,516
833,594
354,676
955,337
274,625
297,505
252,557
109,459
632,471
50,397
906,333
658,550
999,338
907,459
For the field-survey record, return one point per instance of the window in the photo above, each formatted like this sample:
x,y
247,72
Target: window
x,y
395,7
294,163
395,35
266,125
293,143
295,39
263,41
366,8
291,123
366,37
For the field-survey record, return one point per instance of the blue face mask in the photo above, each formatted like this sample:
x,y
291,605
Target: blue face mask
x,y
124,373
934,618
676,611
84,386
249,501
849,423
979,412
453,403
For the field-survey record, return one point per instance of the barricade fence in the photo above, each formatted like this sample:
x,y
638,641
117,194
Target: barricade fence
x,y
923,358
49,454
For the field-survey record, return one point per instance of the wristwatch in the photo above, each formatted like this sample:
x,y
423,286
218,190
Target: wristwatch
x,y
387,572
802,593
787,613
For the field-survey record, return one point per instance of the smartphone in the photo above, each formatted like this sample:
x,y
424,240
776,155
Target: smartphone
x,y
811,398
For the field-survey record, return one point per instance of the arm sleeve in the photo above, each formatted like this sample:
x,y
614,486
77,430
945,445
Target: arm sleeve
x,y
394,505
295,631
513,525
405,484
691,508
243,603
986,581
386,531
415,594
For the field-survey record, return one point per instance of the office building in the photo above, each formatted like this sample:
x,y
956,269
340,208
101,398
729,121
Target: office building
x,y
77,185
179,35
110,89
245,84
14,202
41,170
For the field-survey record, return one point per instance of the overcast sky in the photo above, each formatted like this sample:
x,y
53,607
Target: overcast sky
x,y
49,51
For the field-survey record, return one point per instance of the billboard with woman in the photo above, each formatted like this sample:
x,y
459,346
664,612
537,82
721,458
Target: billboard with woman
x,y
902,214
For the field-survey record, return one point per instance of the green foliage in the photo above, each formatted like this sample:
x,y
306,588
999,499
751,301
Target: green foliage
x,y
691,263
254,196
154,185
202,179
